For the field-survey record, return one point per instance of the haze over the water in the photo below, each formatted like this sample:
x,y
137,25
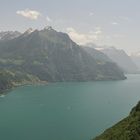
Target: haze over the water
x,y
111,22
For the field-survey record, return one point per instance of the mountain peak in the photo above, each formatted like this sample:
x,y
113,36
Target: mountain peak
x,y
48,28
28,31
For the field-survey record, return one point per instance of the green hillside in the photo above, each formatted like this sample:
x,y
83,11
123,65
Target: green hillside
x,y
127,129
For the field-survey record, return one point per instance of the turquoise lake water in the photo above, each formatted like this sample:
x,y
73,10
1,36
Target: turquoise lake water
x,y
66,111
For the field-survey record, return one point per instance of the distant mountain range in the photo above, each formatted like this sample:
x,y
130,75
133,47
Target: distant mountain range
x,y
136,58
8,35
120,57
51,56
97,55
127,129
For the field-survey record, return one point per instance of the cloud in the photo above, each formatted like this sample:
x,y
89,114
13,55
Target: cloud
x,y
48,19
121,19
118,36
84,38
91,14
98,31
30,14
124,18
114,23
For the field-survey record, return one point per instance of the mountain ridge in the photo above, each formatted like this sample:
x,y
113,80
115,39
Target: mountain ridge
x,y
120,57
53,57
8,35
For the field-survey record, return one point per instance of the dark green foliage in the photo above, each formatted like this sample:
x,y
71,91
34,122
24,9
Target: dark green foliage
x,y
127,129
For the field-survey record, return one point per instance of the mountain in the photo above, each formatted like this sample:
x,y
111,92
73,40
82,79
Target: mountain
x,y
127,129
8,35
121,58
53,57
136,58
97,55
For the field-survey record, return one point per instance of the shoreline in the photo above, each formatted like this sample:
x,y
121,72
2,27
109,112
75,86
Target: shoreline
x,y
2,92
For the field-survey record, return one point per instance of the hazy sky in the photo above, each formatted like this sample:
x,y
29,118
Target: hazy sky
x,y
104,22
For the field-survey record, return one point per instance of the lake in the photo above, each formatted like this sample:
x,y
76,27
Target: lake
x,y
66,111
